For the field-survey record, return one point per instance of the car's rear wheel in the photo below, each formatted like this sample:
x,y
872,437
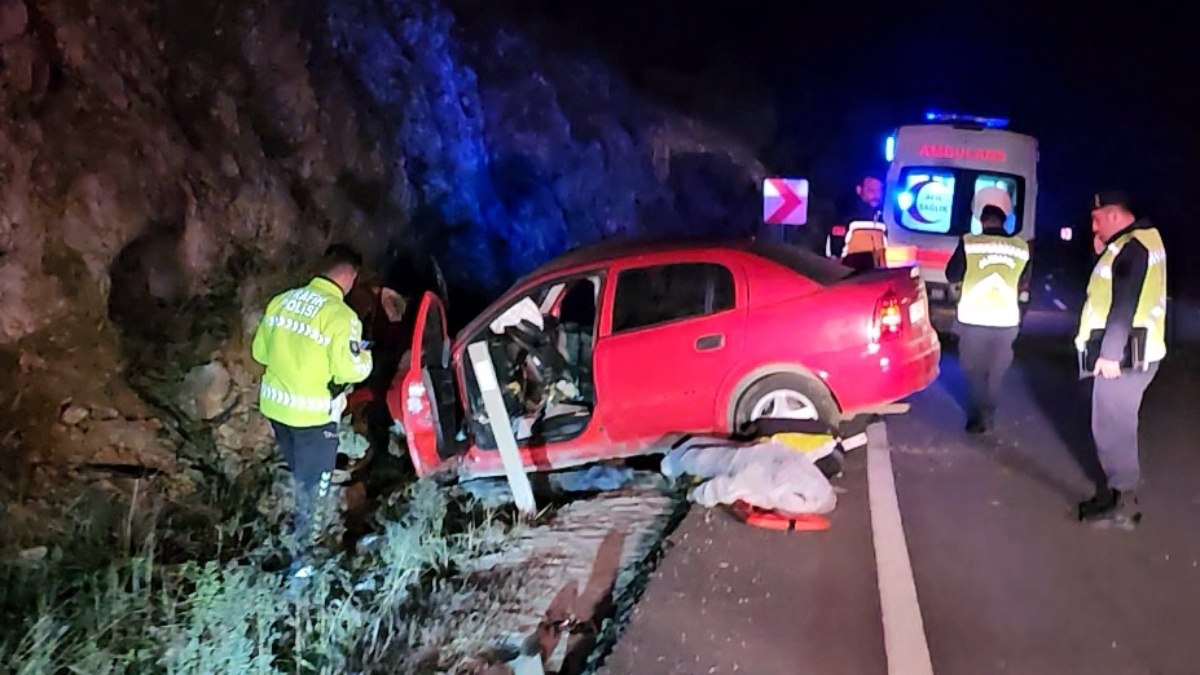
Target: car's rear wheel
x,y
786,396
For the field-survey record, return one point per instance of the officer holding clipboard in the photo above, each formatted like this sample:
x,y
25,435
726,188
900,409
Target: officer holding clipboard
x,y
1121,340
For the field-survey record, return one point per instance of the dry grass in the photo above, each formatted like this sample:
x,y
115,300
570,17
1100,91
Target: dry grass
x,y
164,591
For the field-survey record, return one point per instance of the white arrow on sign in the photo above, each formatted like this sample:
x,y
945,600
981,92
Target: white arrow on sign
x,y
785,201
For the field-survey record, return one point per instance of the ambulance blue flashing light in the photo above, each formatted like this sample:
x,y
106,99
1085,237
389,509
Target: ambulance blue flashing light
x,y
987,122
889,148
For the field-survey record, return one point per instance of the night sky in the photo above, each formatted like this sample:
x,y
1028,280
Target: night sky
x,y
1110,93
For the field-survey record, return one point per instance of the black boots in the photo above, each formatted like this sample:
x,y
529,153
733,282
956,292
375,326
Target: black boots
x,y
979,419
1111,509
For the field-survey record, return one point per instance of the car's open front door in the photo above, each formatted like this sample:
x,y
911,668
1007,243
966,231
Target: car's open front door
x,y
427,399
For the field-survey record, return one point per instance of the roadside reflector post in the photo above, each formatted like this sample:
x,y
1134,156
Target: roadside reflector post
x,y
502,431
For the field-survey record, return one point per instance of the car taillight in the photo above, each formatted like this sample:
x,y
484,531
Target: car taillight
x,y
889,321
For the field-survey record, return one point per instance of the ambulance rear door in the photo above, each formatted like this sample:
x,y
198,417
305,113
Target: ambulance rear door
x,y
933,181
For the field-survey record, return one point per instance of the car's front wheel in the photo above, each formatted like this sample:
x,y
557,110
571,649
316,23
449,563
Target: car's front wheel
x,y
786,396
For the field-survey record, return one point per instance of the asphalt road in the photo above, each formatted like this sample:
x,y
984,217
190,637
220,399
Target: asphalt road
x,y
1007,581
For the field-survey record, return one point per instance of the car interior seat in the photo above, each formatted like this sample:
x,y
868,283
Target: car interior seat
x,y
577,316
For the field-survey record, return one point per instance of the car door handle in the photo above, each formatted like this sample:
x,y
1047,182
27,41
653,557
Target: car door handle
x,y
710,342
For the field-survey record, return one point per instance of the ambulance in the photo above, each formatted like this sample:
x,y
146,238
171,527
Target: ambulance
x,y
941,174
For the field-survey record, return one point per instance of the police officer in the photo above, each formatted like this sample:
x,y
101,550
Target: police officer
x,y
992,267
1126,297
309,339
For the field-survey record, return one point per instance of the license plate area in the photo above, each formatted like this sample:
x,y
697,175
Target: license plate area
x,y
918,312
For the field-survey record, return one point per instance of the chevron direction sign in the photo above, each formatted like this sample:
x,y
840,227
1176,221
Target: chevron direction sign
x,y
785,201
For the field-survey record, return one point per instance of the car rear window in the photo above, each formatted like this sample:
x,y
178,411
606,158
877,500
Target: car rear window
x,y
821,270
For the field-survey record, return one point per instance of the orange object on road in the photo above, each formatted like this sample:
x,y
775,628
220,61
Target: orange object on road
x,y
779,520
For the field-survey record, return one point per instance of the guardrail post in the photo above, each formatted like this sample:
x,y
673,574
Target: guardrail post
x,y
502,431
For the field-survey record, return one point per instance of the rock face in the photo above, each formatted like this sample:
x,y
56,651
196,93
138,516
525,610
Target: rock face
x,y
157,158
167,166
516,153
207,391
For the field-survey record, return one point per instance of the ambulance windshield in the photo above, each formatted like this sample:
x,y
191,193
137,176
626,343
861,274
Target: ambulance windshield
x,y
937,200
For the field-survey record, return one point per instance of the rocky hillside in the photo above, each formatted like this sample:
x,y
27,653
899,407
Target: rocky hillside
x,y
166,166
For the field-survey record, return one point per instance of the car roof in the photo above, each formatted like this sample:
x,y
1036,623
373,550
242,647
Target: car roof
x,y
604,254
608,252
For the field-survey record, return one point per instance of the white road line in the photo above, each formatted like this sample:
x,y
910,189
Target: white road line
x,y
903,630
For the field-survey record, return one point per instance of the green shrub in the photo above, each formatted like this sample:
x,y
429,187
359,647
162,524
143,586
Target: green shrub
x,y
412,604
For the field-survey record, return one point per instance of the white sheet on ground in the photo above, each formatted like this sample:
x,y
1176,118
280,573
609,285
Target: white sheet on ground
x,y
767,474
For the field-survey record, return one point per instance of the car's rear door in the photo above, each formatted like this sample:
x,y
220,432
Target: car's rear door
x,y
670,333
427,400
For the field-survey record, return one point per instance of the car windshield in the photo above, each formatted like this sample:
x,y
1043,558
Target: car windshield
x,y
821,270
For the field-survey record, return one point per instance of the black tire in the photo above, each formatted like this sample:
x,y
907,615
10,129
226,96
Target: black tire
x,y
814,391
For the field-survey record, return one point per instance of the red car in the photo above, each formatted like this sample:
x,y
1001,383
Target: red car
x,y
605,352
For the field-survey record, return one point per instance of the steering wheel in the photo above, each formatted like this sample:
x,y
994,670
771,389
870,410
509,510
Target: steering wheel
x,y
526,335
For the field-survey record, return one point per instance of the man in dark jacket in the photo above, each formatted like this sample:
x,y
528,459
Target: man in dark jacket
x,y
869,199
865,205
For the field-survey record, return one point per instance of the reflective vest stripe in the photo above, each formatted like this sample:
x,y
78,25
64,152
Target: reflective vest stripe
x,y
296,402
990,290
298,328
996,248
362,368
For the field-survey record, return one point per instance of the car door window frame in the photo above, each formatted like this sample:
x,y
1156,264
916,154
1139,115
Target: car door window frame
x,y
600,275
710,293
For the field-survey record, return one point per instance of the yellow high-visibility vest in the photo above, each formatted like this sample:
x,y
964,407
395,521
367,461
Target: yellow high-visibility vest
x,y
1151,313
307,339
991,284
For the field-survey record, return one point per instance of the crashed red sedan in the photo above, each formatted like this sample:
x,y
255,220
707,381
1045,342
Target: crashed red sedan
x,y
608,351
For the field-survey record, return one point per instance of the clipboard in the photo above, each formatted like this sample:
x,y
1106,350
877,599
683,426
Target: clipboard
x,y
1133,358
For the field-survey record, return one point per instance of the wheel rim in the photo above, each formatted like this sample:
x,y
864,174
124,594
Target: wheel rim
x,y
787,404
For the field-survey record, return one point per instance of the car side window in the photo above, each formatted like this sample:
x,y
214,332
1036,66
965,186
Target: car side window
x,y
434,346
649,296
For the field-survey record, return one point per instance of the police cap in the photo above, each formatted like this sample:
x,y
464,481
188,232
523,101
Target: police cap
x,y
1118,198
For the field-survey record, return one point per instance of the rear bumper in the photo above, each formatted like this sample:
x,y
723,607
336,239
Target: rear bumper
x,y
892,373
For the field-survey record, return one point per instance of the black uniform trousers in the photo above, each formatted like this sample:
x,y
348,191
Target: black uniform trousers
x,y
311,456
985,354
